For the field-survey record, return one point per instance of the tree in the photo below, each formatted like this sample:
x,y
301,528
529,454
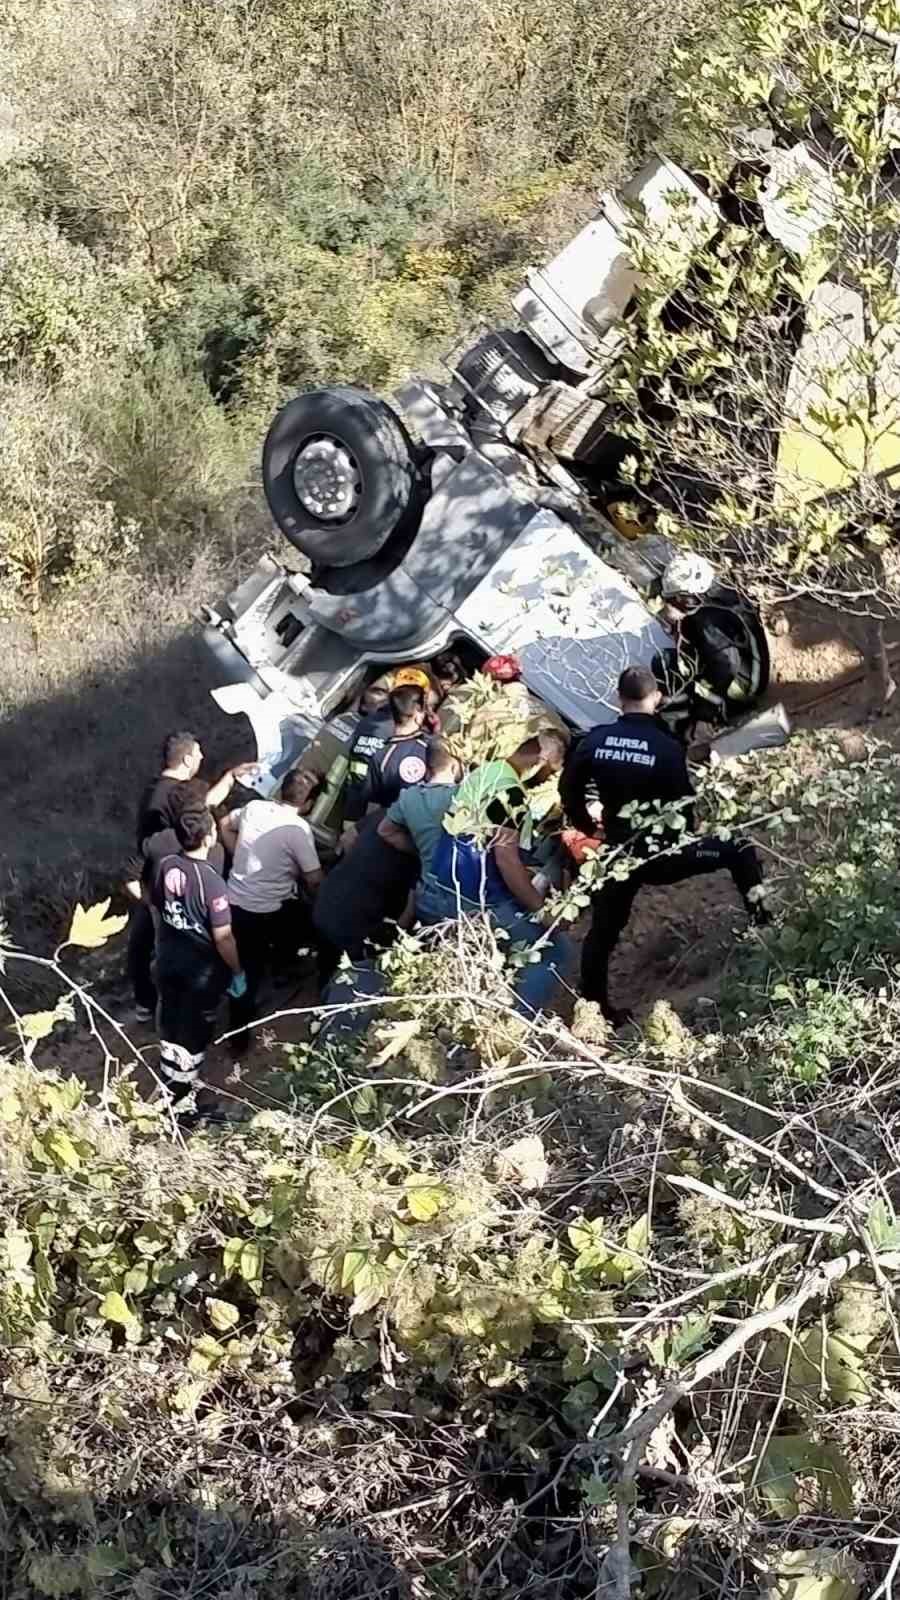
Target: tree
x,y
761,381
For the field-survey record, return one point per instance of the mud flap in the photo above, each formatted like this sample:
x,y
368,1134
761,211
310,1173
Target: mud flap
x,y
762,732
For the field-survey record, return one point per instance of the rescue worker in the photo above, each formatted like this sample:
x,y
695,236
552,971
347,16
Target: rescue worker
x,y
719,664
370,736
361,900
398,764
404,759
637,759
182,757
196,955
413,823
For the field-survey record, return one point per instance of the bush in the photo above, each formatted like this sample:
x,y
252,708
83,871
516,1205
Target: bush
x,y
57,529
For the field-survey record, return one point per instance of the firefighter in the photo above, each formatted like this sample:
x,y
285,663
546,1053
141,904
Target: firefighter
x,y
637,759
719,664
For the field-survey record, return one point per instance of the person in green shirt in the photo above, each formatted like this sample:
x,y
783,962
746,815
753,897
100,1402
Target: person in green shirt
x,y
478,867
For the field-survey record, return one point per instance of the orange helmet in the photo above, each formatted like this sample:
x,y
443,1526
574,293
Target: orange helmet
x,y
416,675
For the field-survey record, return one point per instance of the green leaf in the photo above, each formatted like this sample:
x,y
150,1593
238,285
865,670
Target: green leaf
x,y
350,1266
658,1347
583,1236
113,1308
150,1240
44,1277
250,1265
595,1491
582,1398
106,1561
92,927
137,1278
222,1314
37,1025
367,1299
688,1338
792,1456
638,1236
61,1150
231,1256
882,1226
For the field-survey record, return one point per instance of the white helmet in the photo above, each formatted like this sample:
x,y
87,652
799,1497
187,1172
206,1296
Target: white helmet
x,y
687,574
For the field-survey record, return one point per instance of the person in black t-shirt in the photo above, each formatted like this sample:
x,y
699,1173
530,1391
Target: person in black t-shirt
x,y
370,736
157,808
402,760
361,899
191,796
196,954
637,759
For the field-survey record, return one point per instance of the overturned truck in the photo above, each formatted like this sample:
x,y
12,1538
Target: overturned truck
x,y
468,513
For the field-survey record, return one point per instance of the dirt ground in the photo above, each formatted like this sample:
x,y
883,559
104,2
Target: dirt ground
x,y
678,941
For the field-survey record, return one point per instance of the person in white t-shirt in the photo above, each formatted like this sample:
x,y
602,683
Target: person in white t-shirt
x,y
274,873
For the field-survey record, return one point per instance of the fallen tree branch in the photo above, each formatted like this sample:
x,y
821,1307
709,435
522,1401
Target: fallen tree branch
x,y
633,1439
761,1213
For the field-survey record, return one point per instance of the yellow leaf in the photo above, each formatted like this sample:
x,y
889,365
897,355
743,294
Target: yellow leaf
x,y
10,1108
350,1266
206,1353
113,1308
231,1256
222,1314
61,1150
398,1036
638,1236
188,1395
18,1248
136,1279
425,1203
39,1024
92,927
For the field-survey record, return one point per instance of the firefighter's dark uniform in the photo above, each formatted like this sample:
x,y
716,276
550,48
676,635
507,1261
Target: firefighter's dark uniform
x,y
719,665
637,759
369,739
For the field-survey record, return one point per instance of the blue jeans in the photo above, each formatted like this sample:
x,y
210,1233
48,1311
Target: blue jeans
x,y
536,982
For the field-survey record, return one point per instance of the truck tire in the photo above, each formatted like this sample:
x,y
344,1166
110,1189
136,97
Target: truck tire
x,y
338,474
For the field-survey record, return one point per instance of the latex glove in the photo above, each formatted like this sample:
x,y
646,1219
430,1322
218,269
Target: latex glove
x,y
238,986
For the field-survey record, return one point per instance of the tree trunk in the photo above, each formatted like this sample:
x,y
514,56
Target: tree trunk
x,y
881,684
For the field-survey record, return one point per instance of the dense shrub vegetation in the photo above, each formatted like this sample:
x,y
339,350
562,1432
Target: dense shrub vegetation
x,y
481,1306
205,206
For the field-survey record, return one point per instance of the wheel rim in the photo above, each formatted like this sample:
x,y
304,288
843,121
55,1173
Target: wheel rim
x,y
327,479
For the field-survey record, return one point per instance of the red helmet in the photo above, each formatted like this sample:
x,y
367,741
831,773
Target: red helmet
x,y
505,669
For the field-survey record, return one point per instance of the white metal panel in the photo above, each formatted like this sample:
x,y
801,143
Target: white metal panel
x,y
573,302
798,198
572,620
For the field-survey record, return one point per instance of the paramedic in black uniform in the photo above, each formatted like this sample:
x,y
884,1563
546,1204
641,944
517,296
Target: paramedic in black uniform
x,y
637,759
